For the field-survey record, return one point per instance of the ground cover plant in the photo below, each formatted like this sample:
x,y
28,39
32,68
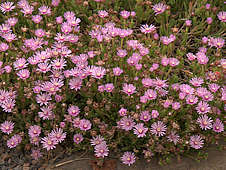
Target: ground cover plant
x,y
125,78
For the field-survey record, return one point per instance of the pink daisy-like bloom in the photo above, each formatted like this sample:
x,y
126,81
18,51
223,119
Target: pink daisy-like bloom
x,y
140,130
24,74
213,87
34,131
154,67
22,3
3,47
196,142
200,91
58,64
147,82
69,15
218,126
98,72
48,143
40,33
78,138
44,67
9,37
109,87
188,23
147,29
55,3
158,128
173,137
126,123
36,154
196,81
218,42
36,18
35,140
176,105
8,105
27,10
191,56
158,83
44,10
20,63
5,29
121,53
154,114
129,89
97,140
207,96
202,58
222,16
85,125
73,110
7,127
46,113
125,14
14,141
75,83
117,71
102,13
122,112
159,8
173,62
12,21
203,107
66,28
145,116
150,94
191,99
43,99
101,88
128,158
101,150
58,135
7,7
205,122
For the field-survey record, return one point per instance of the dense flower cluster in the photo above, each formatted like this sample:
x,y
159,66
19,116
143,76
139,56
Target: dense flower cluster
x,y
107,85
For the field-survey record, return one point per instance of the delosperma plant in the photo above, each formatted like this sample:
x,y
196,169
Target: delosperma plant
x,y
123,78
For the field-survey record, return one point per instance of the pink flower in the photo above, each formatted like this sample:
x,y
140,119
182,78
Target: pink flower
x,y
205,122
150,94
58,135
12,21
125,14
129,89
97,140
145,116
44,10
3,47
43,98
20,63
75,83
85,125
7,7
173,62
78,138
36,154
196,141
126,123
7,127
36,19
117,71
27,9
154,114
213,87
46,113
222,16
122,112
158,128
196,81
188,23
147,29
176,105
34,131
202,58
203,107
8,105
14,141
191,56
159,8
24,74
140,130
128,158
102,13
101,150
218,126
191,99
98,72
48,143
109,87
173,137
73,110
